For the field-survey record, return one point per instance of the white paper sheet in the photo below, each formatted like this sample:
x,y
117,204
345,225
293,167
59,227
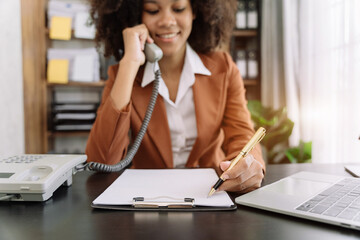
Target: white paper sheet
x,y
164,185
83,68
82,29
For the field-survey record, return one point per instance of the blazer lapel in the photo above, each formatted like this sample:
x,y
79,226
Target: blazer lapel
x,y
158,129
208,96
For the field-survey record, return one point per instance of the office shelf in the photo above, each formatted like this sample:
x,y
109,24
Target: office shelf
x,y
245,43
68,133
79,84
251,82
245,33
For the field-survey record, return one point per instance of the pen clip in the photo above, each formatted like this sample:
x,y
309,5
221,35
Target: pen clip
x,y
261,137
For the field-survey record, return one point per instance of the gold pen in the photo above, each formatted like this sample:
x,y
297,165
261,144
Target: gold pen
x,y
258,136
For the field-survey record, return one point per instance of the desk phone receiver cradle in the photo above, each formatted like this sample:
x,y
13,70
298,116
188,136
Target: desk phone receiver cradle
x,y
153,54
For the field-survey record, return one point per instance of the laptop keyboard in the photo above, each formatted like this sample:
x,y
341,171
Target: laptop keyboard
x,y
341,200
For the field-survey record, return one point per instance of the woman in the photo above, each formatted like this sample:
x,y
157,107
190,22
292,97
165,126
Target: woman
x,y
200,117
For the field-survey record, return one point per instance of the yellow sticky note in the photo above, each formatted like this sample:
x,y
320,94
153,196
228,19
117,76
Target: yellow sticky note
x,y
60,28
58,71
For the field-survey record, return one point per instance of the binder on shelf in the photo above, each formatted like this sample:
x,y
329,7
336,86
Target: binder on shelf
x,y
252,14
241,15
84,64
58,71
164,190
60,28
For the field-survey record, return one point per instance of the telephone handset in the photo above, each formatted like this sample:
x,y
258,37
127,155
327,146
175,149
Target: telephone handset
x,y
153,54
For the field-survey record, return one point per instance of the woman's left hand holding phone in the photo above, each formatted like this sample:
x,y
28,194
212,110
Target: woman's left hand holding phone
x,y
134,42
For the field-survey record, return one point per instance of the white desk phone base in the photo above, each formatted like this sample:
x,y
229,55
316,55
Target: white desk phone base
x,y
35,177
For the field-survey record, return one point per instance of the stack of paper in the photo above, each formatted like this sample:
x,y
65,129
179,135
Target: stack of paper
x,y
80,65
164,185
73,116
63,17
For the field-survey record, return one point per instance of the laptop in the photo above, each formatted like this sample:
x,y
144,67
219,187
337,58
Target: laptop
x,y
353,169
320,197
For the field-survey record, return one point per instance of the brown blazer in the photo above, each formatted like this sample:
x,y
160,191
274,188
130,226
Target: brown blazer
x,y
223,121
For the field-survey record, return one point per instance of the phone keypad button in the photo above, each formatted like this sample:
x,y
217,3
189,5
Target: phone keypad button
x,y
21,159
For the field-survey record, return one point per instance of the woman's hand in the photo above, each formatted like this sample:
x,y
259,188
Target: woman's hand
x,y
134,42
245,176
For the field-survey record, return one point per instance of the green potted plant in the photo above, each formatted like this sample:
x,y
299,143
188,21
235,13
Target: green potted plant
x,y
300,154
279,128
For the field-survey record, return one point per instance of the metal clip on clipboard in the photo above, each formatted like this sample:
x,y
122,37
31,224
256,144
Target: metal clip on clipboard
x,y
140,202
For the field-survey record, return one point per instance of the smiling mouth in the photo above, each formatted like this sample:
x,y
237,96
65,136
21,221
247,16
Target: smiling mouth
x,y
167,36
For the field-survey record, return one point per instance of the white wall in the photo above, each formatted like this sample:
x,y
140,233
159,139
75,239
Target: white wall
x,y
11,81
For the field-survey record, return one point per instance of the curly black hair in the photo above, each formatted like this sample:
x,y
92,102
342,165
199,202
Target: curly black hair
x,y
211,28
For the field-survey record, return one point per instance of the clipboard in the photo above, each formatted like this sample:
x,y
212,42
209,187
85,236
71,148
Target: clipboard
x,y
164,190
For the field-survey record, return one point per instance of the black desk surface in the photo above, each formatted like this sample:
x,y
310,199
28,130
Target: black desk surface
x,y
68,215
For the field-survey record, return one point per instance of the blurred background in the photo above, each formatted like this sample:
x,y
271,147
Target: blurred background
x,y
300,61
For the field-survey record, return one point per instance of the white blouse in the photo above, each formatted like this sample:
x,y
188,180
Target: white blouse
x,y
181,113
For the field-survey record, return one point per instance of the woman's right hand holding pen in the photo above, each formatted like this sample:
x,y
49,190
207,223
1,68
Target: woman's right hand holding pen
x,y
244,177
244,173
